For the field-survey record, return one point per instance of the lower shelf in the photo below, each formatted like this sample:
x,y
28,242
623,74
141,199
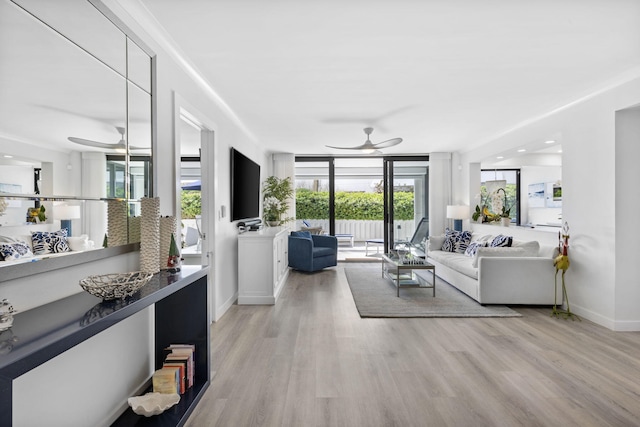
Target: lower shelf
x,y
175,416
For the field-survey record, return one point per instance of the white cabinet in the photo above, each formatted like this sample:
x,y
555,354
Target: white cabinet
x,y
263,265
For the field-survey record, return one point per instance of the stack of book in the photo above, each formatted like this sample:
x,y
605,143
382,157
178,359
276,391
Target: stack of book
x,y
177,372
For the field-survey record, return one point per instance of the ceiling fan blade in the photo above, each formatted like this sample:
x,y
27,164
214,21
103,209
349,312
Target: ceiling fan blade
x,y
388,143
359,147
91,143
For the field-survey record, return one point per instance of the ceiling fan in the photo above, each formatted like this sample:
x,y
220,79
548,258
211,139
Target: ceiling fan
x,y
120,146
369,147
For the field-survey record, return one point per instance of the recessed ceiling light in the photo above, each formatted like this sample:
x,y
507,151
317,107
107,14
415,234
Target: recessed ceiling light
x,y
500,157
522,150
551,141
7,156
559,151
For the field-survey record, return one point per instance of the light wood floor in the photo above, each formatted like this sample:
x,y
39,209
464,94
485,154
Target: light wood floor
x,y
310,360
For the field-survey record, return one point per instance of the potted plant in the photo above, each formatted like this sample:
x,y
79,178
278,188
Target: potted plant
x,y
276,194
500,208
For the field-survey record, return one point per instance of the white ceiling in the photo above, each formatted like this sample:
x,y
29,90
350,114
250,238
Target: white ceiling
x,y
443,75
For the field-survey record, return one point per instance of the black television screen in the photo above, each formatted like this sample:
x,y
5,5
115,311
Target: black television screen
x,y
245,187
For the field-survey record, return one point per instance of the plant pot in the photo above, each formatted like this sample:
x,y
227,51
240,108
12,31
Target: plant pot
x,y
505,222
273,223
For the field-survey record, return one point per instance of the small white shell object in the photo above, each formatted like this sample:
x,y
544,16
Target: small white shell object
x,y
152,403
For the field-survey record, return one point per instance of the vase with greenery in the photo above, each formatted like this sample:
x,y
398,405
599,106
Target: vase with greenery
x,y
276,194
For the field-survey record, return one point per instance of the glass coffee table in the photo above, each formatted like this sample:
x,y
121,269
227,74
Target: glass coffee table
x,y
401,272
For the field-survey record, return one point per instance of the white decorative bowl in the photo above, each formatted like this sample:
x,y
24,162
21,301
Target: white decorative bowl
x,y
117,285
152,403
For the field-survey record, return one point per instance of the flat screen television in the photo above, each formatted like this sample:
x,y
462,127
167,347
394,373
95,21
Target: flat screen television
x,y
245,187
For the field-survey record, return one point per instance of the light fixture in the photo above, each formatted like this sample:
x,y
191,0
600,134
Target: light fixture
x,y
522,150
500,157
8,156
65,214
551,141
457,213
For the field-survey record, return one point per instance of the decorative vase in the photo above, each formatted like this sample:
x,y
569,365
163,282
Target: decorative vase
x,y
273,223
117,222
150,234
505,222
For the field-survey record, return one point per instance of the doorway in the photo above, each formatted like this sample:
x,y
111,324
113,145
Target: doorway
x,y
406,187
195,190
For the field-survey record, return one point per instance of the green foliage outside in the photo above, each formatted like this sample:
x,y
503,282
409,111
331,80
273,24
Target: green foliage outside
x,y
191,204
356,206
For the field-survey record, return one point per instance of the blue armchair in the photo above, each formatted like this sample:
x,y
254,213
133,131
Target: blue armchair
x,y
309,252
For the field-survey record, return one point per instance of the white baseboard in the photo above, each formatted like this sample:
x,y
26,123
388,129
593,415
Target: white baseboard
x,y
627,326
221,310
614,325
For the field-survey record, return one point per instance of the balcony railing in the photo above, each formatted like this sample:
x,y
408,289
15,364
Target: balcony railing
x,y
362,229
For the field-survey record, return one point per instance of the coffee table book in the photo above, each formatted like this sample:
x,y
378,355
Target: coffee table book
x,y
166,380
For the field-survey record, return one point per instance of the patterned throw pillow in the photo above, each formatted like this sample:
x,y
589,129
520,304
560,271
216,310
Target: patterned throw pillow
x,y
15,250
449,244
456,241
462,241
47,242
473,248
501,241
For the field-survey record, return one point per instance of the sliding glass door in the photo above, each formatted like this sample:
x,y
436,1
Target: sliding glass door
x,y
406,189
369,203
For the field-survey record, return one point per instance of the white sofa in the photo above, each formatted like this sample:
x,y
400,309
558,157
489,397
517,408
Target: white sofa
x,y
520,274
22,233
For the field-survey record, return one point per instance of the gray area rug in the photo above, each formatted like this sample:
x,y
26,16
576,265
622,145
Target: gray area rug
x,y
376,297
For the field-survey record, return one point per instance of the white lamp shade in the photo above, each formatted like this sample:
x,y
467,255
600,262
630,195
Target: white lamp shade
x,y
458,212
66,212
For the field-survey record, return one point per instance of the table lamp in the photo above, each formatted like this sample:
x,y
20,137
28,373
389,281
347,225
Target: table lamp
x,y
457,213
65,214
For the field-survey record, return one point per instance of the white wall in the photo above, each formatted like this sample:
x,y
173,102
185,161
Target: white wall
x,y
627,206
590,198
46,395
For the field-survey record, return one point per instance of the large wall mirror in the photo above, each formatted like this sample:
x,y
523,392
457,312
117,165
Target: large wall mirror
x,y
75,116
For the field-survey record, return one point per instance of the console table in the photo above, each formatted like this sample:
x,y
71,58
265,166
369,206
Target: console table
x,y
181,316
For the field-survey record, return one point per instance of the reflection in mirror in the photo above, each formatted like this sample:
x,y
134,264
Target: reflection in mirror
x,y
139,66
54,217
52,90
91,31
63,112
